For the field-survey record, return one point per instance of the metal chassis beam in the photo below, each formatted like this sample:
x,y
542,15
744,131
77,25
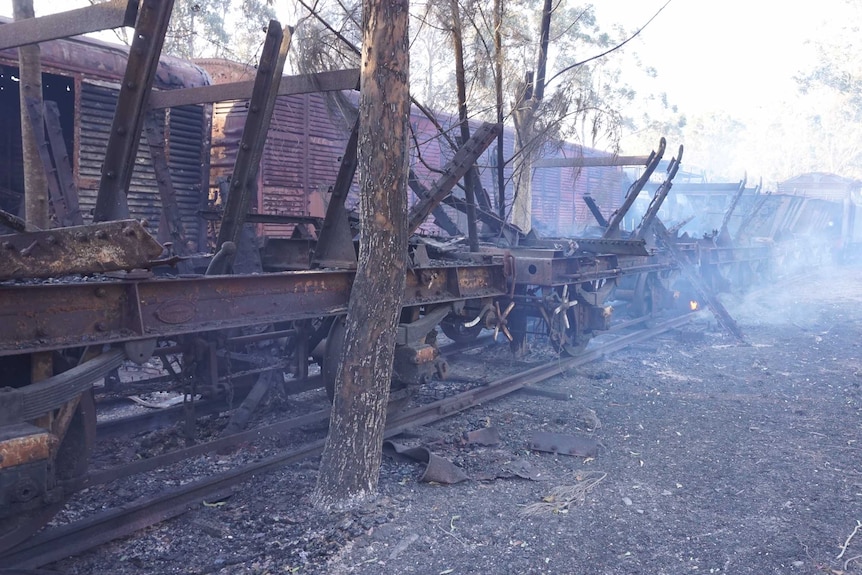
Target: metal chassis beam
x,y
56,316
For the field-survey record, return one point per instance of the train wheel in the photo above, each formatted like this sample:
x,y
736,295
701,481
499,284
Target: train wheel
x,y
564,326
458,332
642,302
66,472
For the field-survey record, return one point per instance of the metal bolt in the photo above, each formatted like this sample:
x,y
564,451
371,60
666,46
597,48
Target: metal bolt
x,y
101,292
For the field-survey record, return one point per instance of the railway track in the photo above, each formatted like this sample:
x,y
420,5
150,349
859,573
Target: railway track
x,y
56,543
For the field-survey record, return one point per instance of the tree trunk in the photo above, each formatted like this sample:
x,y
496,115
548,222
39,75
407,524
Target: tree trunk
x,y
527,141
471,178
30,86
350,464
498,92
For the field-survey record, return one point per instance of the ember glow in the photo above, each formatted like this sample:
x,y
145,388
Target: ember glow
x,y
693,305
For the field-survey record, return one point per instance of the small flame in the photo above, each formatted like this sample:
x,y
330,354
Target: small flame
x,y
693,305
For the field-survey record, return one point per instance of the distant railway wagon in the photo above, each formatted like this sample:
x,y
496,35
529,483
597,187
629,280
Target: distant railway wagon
x,y
304,147
82,77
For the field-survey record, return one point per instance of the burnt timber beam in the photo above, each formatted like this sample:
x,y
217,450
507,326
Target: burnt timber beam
x,y
12,221
56,316
244,178
100,247
585,162
62,165
613,229
300,84
170,225
732,207
465,157
36,113
489,218
112,14
150,28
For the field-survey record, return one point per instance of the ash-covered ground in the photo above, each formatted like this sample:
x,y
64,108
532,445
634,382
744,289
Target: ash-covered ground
x,y
712,458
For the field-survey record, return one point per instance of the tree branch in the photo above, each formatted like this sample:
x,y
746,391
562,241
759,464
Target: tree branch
x,y
610,50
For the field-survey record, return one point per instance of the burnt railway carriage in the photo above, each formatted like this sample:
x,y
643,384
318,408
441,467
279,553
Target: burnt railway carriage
x,y
77,302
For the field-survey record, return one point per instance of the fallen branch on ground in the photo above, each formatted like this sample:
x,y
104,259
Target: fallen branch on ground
x,y
563,496
849,537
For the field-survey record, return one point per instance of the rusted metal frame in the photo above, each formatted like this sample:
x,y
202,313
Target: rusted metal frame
x,y
171,222
62,165
35,113
686,267
659,197
100,247
301,84
742,230
551,270
150,28
585,162
335,241
112,14
465,157
51,545
594,209
626,247
613,229
56,316
244,176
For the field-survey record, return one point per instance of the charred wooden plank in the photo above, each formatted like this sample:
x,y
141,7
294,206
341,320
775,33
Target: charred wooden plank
x,y
583,162
613,229
300,84
112,14
455,170
244,177
150,28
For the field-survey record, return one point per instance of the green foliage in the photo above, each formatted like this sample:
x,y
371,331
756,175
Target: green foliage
x,y
232,29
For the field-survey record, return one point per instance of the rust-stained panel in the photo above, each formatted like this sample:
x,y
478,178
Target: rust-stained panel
x,y
23,443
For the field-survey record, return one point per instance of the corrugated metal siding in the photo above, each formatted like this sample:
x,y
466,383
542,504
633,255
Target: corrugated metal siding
x,y
97,111
185,158
305,144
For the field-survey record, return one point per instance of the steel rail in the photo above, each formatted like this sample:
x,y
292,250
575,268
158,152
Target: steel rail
x,y
64,541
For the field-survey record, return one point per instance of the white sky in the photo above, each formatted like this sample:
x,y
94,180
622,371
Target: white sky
x,y
710,54
723,54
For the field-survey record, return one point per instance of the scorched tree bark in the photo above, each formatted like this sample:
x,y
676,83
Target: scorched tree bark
x,y
349,467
